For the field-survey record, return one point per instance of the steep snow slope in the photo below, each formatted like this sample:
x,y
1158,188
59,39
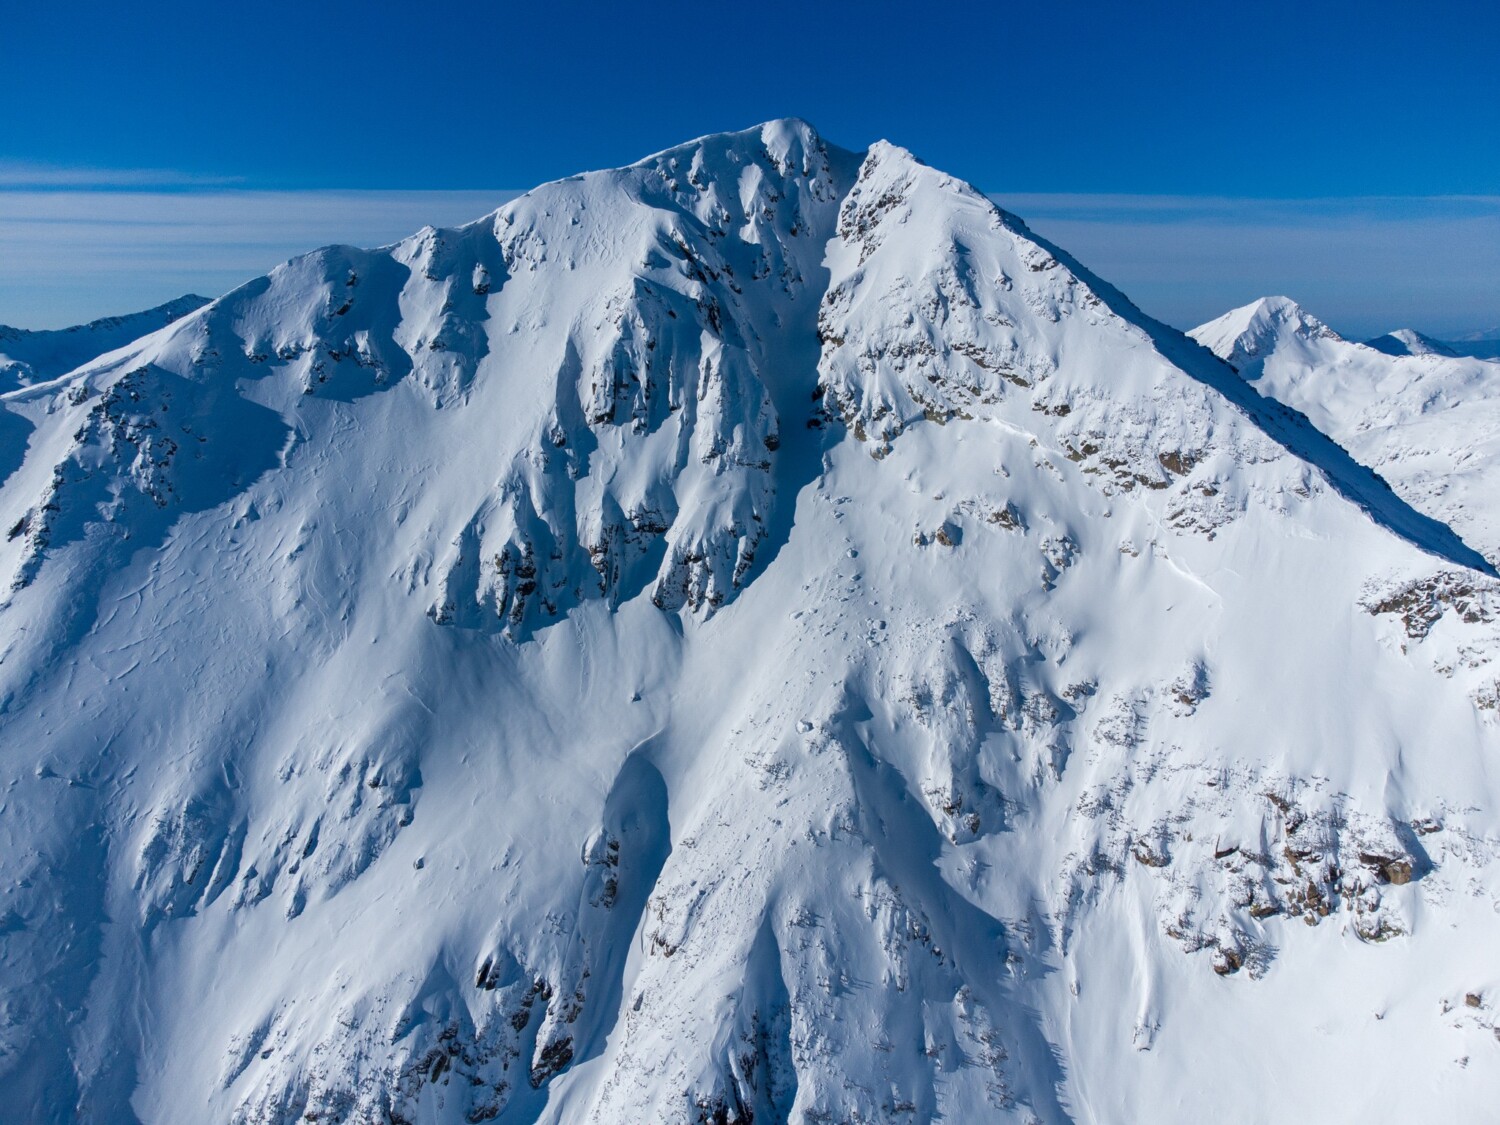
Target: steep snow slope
x,y
1429,423
28,356
1408,341
755,634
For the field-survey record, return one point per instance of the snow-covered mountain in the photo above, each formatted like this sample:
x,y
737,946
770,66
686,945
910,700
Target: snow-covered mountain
x,y
1408,341
1427,422
1245,337
30,356
753,635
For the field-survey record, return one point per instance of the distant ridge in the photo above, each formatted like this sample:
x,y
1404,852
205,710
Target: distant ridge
x,y
36,355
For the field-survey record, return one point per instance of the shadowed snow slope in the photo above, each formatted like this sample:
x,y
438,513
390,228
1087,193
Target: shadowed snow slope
x,y
1426,420
752,635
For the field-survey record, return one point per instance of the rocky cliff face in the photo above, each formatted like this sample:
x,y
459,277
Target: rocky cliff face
x,y
754,635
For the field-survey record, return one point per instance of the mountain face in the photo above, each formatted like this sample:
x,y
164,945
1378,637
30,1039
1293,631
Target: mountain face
x,y
28,357
1427,421
757,635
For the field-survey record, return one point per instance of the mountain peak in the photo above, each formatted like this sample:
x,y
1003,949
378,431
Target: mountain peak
x,y
35,355
1408,341
784,139
1248,334
1417,411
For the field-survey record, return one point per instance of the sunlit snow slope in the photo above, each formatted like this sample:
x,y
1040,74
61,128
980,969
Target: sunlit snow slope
x,y
754,635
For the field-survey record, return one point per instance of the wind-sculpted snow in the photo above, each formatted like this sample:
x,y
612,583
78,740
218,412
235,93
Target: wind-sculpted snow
x,y
757,635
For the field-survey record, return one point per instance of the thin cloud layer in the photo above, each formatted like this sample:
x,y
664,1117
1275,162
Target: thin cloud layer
x,y
1365,265
22,174
67,257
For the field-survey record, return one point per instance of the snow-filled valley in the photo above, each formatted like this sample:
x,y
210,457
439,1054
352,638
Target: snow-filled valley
x,y
756,635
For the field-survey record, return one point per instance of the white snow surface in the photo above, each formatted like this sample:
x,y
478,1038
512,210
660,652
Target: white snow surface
x,y
753,635
1428,421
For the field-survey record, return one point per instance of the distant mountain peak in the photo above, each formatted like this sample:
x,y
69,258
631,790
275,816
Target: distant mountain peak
x,y
36,355
1250,333
1408,341
1480,335
1422,414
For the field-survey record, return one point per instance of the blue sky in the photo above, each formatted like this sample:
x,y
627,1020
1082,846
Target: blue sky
x,y
1196,154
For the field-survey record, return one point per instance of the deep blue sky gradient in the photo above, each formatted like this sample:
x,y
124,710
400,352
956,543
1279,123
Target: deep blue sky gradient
x,y
1159,96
